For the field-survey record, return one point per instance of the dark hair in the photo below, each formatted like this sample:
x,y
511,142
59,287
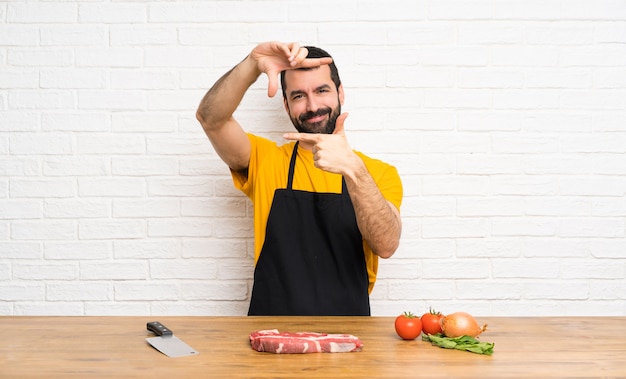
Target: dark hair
x,y
315,52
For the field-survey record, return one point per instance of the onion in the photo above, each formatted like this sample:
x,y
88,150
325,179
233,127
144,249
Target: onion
x,y
461,324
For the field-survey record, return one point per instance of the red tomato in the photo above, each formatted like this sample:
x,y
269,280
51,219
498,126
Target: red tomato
x,y
408,326
431,322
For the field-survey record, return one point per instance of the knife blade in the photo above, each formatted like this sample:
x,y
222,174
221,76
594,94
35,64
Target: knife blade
x,y
167,343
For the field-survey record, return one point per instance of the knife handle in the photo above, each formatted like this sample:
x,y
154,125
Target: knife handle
x,y
159,329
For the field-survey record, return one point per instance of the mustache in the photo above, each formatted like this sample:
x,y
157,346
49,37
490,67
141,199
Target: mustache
x,y
309,115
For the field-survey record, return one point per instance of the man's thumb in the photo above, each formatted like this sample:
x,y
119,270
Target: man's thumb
x,y
339,128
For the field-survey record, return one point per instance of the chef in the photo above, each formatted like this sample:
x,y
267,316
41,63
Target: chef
x,y
323,212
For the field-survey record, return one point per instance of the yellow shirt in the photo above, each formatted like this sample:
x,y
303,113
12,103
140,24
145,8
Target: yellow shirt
x,y
269,169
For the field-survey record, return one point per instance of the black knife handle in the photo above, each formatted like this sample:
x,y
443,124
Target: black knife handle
x,y
159,329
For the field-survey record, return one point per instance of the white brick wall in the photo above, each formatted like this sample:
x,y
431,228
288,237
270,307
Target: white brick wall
x,y
505,118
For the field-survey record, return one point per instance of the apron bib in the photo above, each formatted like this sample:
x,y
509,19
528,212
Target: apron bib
x,y
312,260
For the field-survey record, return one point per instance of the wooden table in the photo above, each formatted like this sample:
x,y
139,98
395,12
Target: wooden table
x,y
84,347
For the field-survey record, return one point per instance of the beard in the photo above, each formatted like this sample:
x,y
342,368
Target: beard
x,y
322,127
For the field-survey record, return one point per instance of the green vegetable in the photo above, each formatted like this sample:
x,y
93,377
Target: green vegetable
x,y
466,343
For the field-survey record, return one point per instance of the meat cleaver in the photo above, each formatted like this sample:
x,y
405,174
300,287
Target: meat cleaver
x,y
167,343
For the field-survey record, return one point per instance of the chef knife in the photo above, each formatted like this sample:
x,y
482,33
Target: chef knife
x,y
167,343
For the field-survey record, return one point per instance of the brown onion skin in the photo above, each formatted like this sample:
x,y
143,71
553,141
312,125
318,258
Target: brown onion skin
x,y
461,324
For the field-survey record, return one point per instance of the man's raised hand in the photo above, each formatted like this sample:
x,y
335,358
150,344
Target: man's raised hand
x,y
273,57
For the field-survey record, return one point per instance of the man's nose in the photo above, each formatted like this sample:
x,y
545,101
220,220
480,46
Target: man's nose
x,y
311,104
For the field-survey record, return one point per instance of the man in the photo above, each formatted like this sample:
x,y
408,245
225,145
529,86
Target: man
x,y
323,213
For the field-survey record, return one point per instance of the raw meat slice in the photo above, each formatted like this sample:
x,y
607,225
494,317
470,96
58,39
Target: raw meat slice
x,y
273,341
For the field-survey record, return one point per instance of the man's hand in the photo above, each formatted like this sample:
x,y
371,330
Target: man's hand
x,y
331,152
273,57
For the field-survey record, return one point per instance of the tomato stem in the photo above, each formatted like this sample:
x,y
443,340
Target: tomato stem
x,y
434,312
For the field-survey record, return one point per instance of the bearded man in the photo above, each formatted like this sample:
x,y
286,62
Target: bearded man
x,y
323,213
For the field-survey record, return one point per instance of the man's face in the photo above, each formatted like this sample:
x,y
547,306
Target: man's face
x,y
312,101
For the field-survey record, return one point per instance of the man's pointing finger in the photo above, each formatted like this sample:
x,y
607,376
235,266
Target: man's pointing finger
x,y
304,137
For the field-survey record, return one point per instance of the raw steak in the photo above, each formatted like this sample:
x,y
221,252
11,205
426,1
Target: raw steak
x,y
273,341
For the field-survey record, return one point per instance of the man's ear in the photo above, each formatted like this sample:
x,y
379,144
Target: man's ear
x,y
340,93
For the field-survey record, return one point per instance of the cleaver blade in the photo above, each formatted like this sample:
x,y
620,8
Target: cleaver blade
x,y
167,343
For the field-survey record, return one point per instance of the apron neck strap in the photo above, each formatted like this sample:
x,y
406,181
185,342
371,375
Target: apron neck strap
x,y
292,167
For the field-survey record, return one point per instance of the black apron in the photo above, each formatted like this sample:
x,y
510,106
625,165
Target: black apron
x,y
312,260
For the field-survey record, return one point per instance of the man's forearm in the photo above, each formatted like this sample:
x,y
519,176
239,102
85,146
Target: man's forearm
x,y
378,220
221,101
215,113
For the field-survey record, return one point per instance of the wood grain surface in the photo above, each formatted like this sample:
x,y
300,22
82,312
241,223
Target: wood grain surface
x,y
107,347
